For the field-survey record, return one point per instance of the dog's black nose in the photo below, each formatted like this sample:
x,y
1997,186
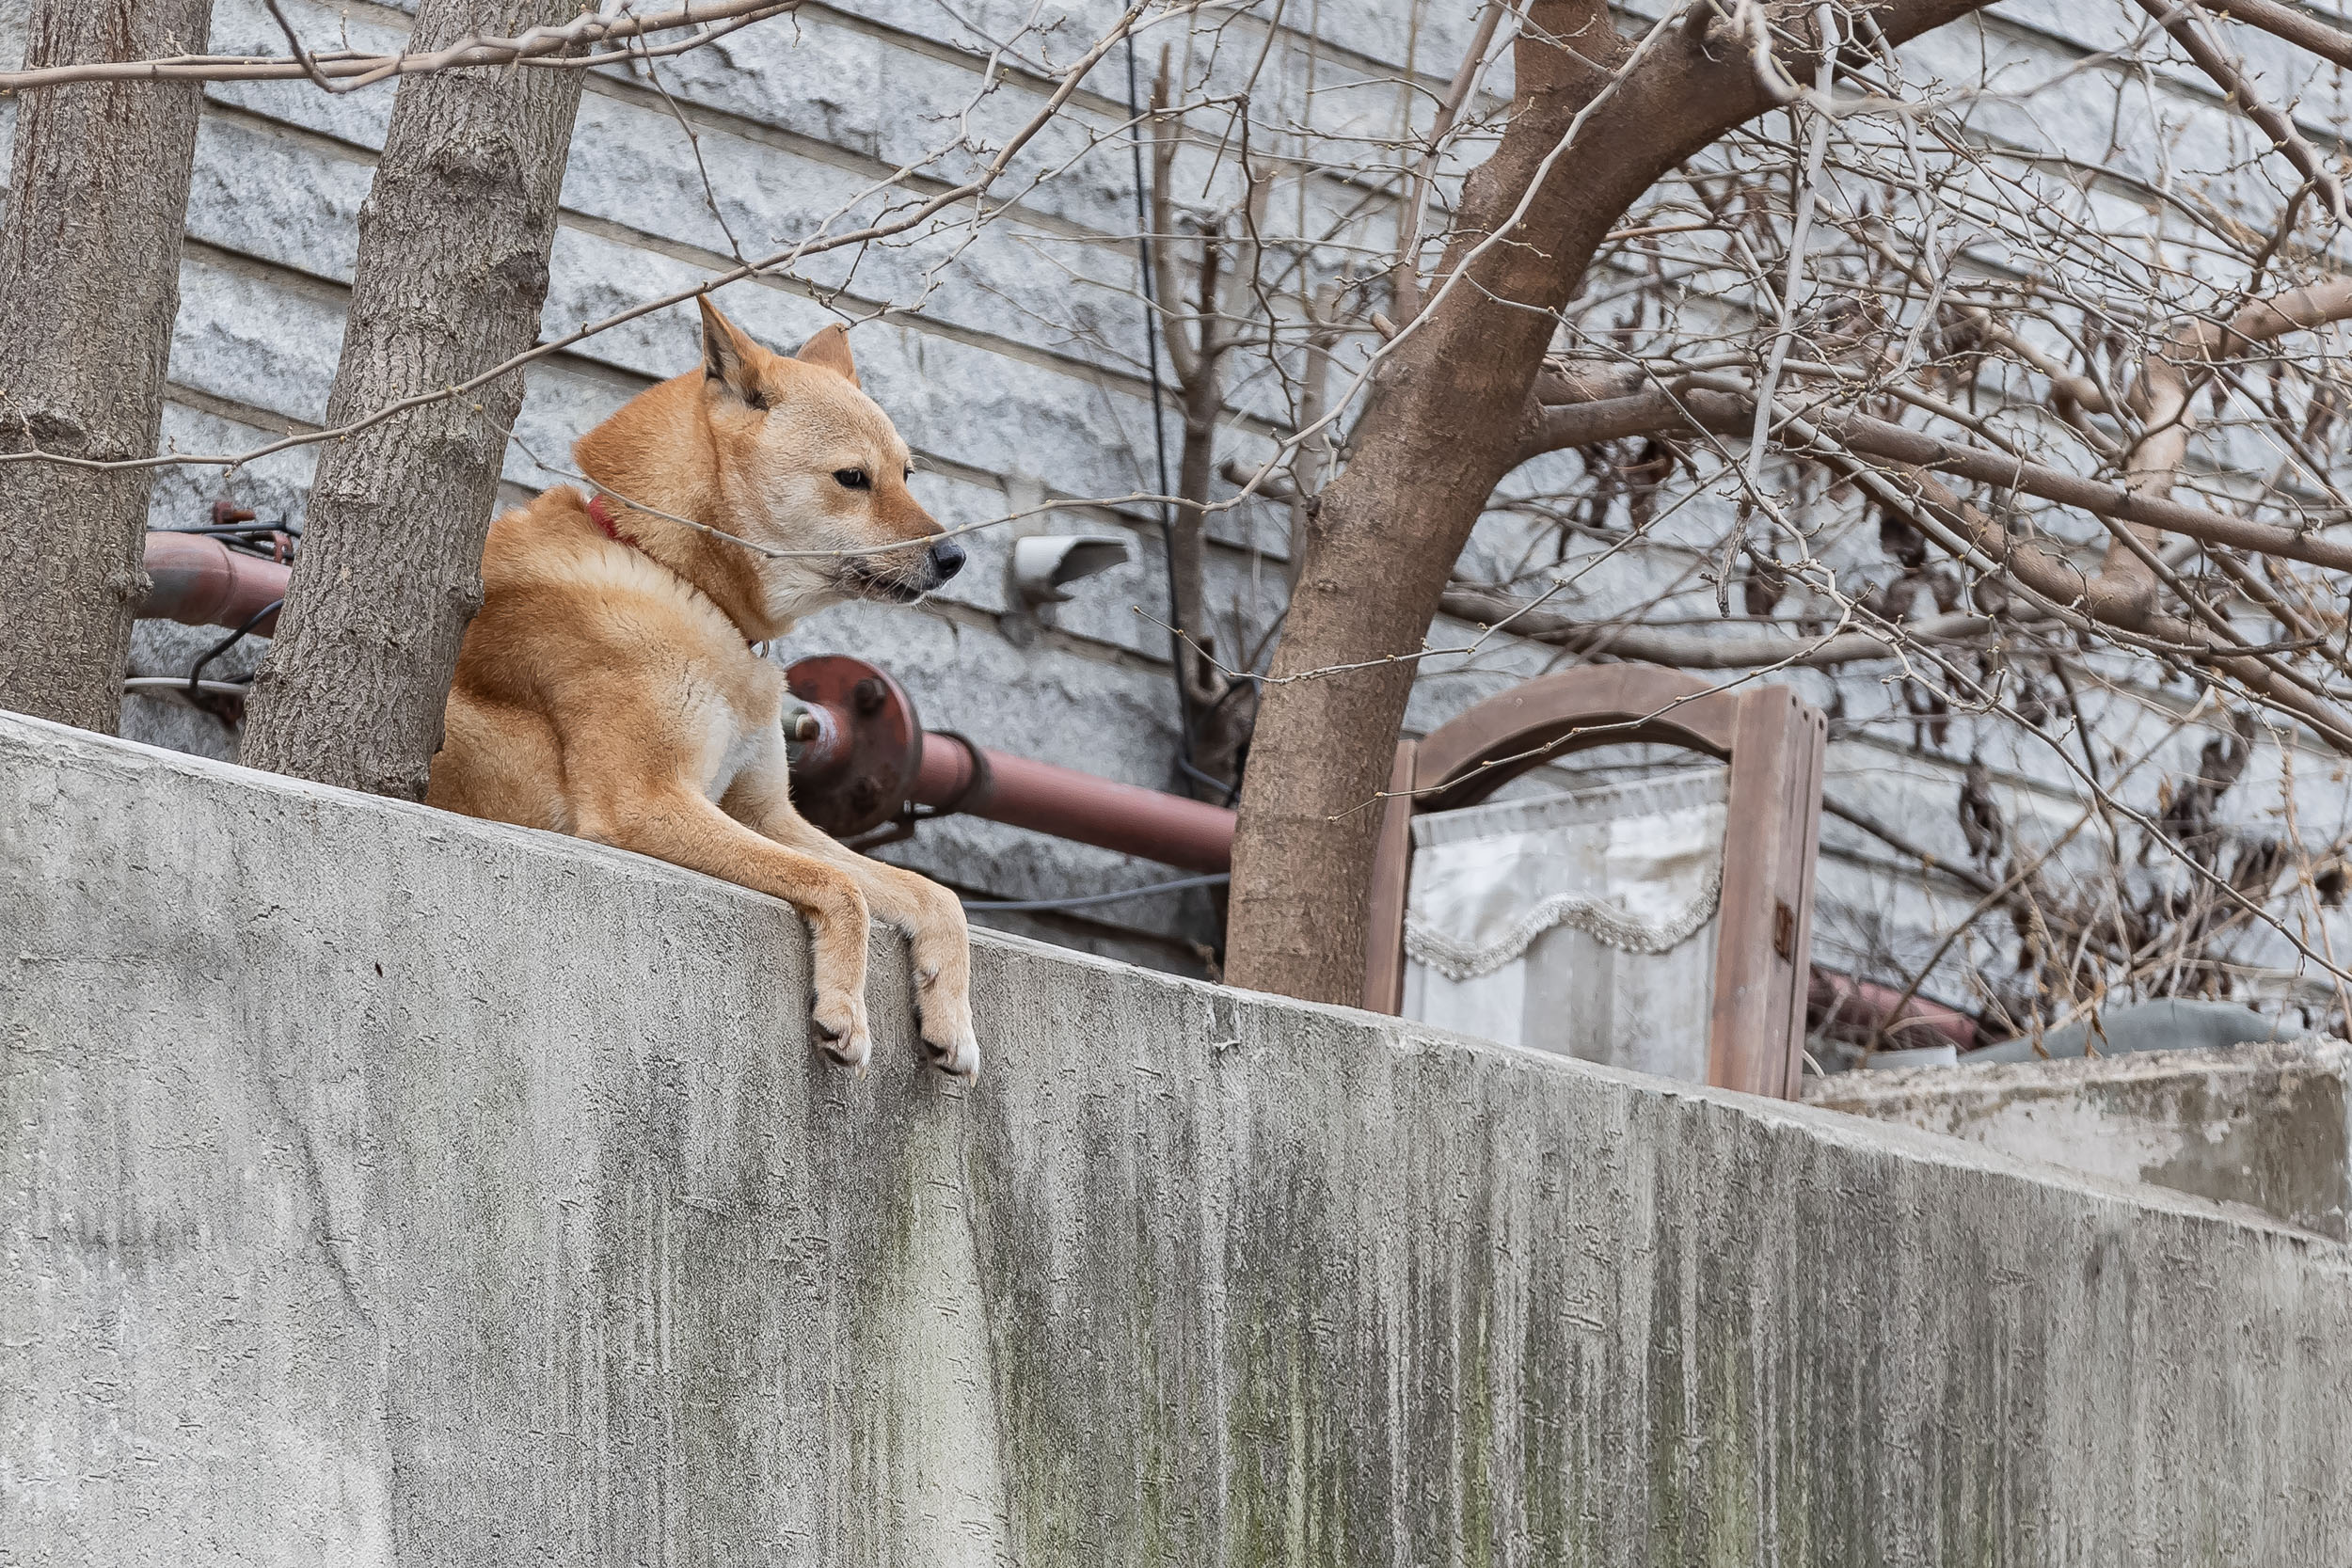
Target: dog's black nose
x,y
947,560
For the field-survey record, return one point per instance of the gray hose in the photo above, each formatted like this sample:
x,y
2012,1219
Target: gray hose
x,y
2171,1023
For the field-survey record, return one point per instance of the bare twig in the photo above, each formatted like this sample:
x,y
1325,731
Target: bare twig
x,y
347,71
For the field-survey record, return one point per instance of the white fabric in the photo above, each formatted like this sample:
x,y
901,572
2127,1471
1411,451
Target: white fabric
x,y
1582,922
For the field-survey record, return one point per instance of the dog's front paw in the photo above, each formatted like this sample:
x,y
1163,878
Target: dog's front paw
x,y
839,1023
949,1043
954,1051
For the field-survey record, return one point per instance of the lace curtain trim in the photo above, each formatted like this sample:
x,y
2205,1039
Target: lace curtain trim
x,y
1598,918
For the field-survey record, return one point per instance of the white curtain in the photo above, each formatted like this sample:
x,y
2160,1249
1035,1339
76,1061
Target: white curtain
x,y
1584,923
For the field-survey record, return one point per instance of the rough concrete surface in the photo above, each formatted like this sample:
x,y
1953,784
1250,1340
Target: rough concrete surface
x,y
378,1186
2266,1125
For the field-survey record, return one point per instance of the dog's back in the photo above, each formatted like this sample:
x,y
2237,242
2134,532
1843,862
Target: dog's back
x,y
571,619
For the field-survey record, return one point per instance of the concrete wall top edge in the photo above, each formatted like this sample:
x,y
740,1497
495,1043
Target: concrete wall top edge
x,y
83,762
2317,1052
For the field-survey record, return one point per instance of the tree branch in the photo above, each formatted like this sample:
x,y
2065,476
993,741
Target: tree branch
x,y
1699,650
2181,19
1165,131
2292,23
2069,591
1404,282
345,70
1726,406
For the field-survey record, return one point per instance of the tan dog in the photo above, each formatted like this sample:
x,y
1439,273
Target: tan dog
x,y
608,687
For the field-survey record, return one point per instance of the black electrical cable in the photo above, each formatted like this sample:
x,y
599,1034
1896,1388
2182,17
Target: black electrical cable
x,y
195,670
1083,900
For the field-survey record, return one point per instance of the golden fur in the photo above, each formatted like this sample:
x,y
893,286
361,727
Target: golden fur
x,y
607,689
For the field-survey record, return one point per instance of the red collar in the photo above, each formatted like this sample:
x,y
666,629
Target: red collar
x,y
602,515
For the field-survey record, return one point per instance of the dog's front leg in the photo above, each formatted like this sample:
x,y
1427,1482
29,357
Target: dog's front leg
x,y
939,941
683,828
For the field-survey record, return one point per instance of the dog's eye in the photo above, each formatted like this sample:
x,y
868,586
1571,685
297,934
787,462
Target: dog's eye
x,y
852,479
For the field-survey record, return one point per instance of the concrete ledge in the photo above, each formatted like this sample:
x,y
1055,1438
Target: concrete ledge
x,y
2266,1125
379,1186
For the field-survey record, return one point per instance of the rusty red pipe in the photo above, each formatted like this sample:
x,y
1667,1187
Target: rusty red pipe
x,y
1844,1008
861,756
200,581
955,775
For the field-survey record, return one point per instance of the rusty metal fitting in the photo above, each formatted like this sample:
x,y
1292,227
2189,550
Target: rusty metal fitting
x,y
871,761
857,770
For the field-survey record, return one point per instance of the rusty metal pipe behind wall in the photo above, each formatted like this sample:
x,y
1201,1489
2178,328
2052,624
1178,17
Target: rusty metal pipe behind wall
x,y
1864,1012
956,775
200,581
861,755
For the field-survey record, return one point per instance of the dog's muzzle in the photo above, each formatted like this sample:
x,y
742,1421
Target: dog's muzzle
x,y
909,576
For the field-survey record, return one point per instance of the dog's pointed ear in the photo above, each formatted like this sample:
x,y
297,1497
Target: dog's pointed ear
x,y
727,357
831,349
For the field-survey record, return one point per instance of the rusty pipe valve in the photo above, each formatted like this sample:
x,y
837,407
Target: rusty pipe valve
x,y
867,759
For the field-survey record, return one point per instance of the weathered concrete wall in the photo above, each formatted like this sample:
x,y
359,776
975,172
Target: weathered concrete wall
x,y
2269,1125
382,1186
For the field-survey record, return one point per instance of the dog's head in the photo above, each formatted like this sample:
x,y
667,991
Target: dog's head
x,y
806,461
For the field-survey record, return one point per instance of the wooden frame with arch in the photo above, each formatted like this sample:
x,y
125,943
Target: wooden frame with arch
x,y
1774,741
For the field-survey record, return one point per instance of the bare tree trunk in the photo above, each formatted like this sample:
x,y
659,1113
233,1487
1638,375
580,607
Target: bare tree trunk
x,y
1217,710
1443,421
1219,707
451,274
1201,399
89,282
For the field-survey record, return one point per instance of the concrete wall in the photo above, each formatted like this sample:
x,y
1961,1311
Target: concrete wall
x,y
2266,1125
382,1186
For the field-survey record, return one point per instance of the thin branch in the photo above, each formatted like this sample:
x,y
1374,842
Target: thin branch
x,y
1725,407
2184,21
2293,24
1405,279
347,71
1697,650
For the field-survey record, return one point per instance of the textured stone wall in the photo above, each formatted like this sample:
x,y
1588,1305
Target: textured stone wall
x,y
2266,1125
378,1186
